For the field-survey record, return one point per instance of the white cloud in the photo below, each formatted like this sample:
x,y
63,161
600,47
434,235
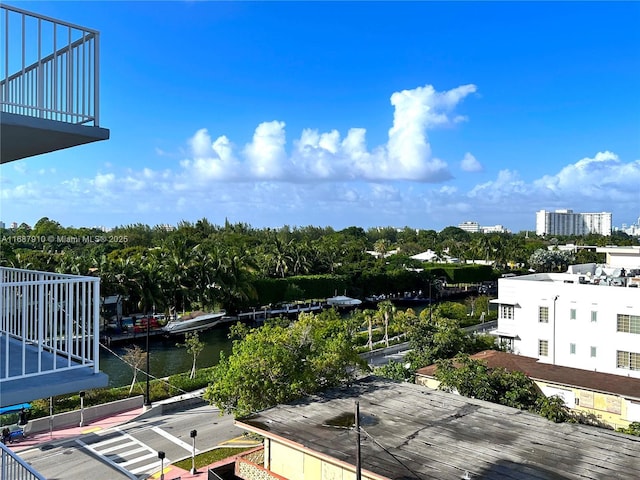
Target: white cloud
x,y
105,181
601,183
265,154
168,197
325,156
470,164
329,178
201,143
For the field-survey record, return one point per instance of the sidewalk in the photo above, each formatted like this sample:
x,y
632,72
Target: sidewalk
x,y
41,438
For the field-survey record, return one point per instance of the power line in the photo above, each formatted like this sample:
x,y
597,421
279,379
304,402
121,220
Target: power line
x,y
390,454
119,357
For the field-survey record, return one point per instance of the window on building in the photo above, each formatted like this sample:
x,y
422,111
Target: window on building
x,y
572,348
543,348
628,360
628,323
593,352
572,314
506,312
594,316
543,314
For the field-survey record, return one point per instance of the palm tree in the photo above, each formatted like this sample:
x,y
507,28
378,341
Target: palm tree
x,y
381,247
176,259
281,258
235,278
385,313
300,253
369,319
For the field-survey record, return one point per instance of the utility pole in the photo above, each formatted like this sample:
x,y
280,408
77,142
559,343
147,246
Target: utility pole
x,y
357,425
147,402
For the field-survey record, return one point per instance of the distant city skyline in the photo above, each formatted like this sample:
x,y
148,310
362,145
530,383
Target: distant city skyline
x,y
419,114
470,226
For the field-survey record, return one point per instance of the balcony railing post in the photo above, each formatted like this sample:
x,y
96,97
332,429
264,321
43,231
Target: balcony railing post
x,y
41,287
44,315
53,85
96,325
96,79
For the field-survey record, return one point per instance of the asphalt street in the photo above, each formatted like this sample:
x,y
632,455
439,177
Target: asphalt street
x,y
131,450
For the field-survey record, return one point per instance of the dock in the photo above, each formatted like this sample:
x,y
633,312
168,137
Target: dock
x,y
255,316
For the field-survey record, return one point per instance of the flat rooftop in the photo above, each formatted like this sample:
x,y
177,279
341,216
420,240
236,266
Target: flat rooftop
x,y
411,432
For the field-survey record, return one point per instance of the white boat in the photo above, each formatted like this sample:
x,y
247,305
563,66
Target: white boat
x,y
194,321
342,301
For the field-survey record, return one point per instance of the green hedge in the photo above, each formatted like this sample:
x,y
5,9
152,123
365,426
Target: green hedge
x,y
276,290
158,390
368,282
463,273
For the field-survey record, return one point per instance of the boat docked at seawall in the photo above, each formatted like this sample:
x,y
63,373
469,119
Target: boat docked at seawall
x,y
193,322
342,302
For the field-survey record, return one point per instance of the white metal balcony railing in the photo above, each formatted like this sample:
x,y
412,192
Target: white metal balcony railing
x,y
14,468
48,323
50,68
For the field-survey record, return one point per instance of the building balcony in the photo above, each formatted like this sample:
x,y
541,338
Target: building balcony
x,y
49,85
49,335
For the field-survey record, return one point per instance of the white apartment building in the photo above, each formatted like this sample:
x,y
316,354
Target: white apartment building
x,y
475,227
566,222
471,227
633,229
587,318
493,229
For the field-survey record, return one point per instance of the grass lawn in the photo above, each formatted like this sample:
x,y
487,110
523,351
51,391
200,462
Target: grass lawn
x,y
207,458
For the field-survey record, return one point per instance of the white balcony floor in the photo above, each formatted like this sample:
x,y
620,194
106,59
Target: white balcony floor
x,y
64,380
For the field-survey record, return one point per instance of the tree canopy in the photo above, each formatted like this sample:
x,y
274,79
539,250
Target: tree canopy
x,y
473,378
206,266
283,361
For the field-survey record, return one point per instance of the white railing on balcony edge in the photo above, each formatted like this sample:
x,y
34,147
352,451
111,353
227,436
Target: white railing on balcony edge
x,y
49,313
50,68
14,468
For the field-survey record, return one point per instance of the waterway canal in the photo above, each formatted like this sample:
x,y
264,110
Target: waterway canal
x,y
165,358
168,359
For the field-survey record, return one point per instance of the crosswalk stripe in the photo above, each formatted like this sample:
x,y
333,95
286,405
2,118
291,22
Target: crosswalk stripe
x,y
111,462
114,448
138,459
117,438
151,466
176,440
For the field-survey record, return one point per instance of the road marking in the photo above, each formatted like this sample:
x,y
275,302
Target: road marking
x,y
138,459
117,438
242,439
129,446
167,469
91,430
108,460
104,451
146,468
176,440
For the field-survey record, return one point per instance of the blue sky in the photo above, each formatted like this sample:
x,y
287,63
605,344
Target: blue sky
x,y
338,114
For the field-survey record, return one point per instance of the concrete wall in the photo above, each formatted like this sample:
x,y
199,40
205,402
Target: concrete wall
x,y
71,419
186,401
